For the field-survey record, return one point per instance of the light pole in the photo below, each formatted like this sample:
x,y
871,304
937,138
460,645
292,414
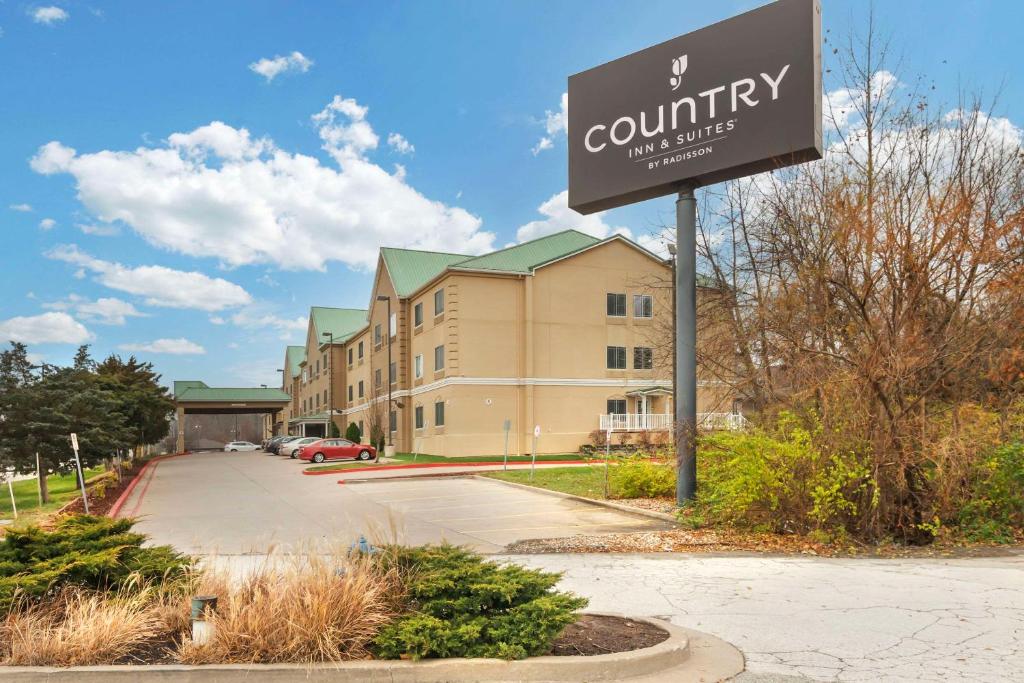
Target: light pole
x,y
330,384
686,344
384,297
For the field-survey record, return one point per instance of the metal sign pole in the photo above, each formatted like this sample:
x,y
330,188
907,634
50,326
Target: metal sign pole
x,y
10,487
39,482
686,345
533,462
81,475
507,426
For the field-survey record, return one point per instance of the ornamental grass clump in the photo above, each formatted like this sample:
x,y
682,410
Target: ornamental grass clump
x,y
460,605
297,609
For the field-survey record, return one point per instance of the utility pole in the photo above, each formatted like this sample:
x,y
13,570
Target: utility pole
x,y
686,345
330,385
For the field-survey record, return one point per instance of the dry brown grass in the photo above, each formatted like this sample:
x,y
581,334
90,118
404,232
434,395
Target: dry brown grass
x,y
79,627
296,608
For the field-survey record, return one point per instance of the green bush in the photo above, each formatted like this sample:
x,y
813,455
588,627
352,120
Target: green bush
x,y
352,433
996,505
464,606
83,550
781,481
641,477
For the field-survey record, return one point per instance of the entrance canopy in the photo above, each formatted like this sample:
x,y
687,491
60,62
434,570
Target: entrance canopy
x,y
193,397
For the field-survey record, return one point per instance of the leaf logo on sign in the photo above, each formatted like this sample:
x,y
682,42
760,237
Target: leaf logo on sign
x,y
678,69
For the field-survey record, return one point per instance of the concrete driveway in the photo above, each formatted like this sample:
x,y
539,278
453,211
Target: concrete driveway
x,y
239,503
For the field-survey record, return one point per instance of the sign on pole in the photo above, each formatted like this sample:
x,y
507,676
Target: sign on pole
x,y
533,461
735,98
10,487
81,475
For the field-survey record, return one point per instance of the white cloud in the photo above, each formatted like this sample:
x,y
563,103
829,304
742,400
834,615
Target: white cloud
x,y
99,230
106,310
46,328
255,319
842,106
556,124
176,347
160,286
24,208
217,320
48,15
47,224
398,143
193,195
558,216
273,67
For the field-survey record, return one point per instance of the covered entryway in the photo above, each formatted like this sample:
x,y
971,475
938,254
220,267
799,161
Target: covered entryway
x,y
234,414
309,425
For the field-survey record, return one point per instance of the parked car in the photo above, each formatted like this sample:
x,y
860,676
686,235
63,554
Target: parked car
x,y
240,446
275,445
292,446
335,449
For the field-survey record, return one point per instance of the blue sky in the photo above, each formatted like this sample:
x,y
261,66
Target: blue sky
x,y
134,222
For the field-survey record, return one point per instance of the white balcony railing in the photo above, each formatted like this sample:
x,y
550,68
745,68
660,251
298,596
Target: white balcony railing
x,y
653,422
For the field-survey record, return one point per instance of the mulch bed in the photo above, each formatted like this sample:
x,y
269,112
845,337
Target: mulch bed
x,y
731,540
101,506
599,635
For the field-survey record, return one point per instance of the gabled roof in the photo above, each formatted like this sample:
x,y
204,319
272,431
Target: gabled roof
x,y
194,391
410,269
294,356
523,258
341,322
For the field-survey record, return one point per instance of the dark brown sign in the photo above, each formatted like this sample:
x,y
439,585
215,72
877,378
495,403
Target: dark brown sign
x,y
735,98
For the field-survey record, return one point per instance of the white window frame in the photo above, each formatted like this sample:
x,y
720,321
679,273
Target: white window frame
x,y
418,366
393,325
641,299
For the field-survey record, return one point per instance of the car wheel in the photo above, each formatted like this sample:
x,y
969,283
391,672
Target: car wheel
x,y
234,450
364,455
292,455
318,457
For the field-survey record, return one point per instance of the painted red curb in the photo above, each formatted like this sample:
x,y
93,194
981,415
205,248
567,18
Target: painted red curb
x,y
115,509
425,465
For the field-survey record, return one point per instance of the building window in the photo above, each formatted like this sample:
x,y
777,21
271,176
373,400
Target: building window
x,y
617,305
393,372
418,366
643,358
325,362
303,375
439,302
616,357
376,335
376,377
361,391
393,421
439,414
439,358
417,314
349,392
325,397
643,306
350,356
360,350
616,406
393,324
316,373
419,417
318,399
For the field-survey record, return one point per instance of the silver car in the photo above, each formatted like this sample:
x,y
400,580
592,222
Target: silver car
x,y
240,446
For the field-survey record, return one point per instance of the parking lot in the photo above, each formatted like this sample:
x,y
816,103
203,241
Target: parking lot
x,y
239,503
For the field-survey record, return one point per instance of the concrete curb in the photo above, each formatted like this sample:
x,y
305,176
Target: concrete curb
x,y
672,655
600,503
429,465
115,509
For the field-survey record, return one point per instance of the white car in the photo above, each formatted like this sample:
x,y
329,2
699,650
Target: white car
x,y
291,447
240,446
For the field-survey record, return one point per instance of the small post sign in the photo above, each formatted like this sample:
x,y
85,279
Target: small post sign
x,y
740,97
507,426
81,475
533,461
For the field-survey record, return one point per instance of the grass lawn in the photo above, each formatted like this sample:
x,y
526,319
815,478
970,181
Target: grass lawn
x,y
579,481
407,458
26,494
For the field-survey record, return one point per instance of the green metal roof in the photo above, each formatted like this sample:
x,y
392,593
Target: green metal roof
x,y
410,269
294,356
523,258
193,391
341,322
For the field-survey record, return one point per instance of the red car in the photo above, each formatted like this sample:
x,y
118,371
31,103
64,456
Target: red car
x,y
336,449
